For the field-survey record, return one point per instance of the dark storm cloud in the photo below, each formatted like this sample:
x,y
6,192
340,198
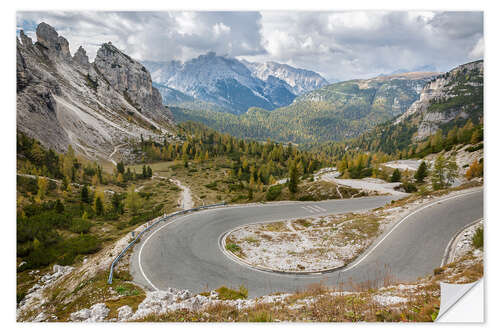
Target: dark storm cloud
x,y
339,45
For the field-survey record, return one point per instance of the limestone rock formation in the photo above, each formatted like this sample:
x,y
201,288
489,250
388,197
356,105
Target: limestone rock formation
x,y
64,100
455,95
81,58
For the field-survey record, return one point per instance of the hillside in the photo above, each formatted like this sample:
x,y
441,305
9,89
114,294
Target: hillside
x,y
66,100
334,112
450,105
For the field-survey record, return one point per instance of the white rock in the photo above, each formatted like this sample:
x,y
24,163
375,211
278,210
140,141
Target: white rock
x,y
97,312
124,313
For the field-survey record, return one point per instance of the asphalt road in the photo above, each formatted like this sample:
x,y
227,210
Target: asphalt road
x,y
185,253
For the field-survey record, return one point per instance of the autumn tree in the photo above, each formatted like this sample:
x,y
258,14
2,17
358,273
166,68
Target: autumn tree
x,y
133,201
444,173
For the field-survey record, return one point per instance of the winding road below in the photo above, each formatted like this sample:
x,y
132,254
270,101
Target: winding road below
x,y
185,252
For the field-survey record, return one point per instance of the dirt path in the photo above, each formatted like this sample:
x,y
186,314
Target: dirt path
x,y
110,157
186,200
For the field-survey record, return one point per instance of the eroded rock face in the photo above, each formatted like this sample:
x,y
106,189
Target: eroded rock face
x,y
130,78
81,58
437,103
64,100
56,45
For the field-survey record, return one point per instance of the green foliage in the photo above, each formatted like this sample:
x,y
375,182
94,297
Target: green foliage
x,y
84,194
421,173
396,176
250,161
444,173
409,187
225,293
477,239
273,192
80,225
99,207
133,201
293,180
233,247
335,112
474,148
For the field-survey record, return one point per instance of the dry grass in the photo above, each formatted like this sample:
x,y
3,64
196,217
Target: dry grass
x,y
417,302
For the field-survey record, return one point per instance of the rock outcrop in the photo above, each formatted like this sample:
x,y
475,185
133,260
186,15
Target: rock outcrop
x,y
48,38
129,77
81,58
455,95
64,100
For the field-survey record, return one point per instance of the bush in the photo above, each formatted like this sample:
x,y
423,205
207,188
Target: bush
x,y
212,185
233,247
79,225
226,293
409,187
273,192
477,239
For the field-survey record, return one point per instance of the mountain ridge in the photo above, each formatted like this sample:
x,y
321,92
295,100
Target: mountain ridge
x,y
233,85
333,112
65,100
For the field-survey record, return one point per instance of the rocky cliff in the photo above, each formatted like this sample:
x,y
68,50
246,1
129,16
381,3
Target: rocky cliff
x,y
454,96
64,99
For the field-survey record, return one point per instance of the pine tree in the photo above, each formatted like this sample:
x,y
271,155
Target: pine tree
x,y
293,181
421,172
396,176
117,203
99,207
84,194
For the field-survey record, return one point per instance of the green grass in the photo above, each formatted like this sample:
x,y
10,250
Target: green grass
x,y
477,239
226,293
233,247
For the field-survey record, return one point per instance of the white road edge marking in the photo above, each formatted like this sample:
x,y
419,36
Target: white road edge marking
x,y
274,220
142,246
401,221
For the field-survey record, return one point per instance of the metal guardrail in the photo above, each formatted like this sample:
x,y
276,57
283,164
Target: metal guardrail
x,y
155,222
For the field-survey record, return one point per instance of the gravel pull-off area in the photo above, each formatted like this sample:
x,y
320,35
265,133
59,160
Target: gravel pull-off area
x,y
365,184
411,165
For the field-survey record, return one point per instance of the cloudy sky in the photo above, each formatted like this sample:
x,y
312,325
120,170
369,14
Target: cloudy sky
x,y
338,45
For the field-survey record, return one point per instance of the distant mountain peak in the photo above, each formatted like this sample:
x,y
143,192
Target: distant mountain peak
x,y
231,84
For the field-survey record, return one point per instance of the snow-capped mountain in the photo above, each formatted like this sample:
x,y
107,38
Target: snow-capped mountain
x,y
231,84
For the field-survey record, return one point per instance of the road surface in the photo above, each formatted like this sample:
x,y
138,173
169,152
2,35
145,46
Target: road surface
x,y
185,253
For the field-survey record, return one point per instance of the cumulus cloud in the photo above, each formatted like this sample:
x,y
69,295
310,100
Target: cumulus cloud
x,y
339,45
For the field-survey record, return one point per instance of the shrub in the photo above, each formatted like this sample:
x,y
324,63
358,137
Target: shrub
x,y
409,187
79,225
477,239
233,247
212,185
226,293
273,192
